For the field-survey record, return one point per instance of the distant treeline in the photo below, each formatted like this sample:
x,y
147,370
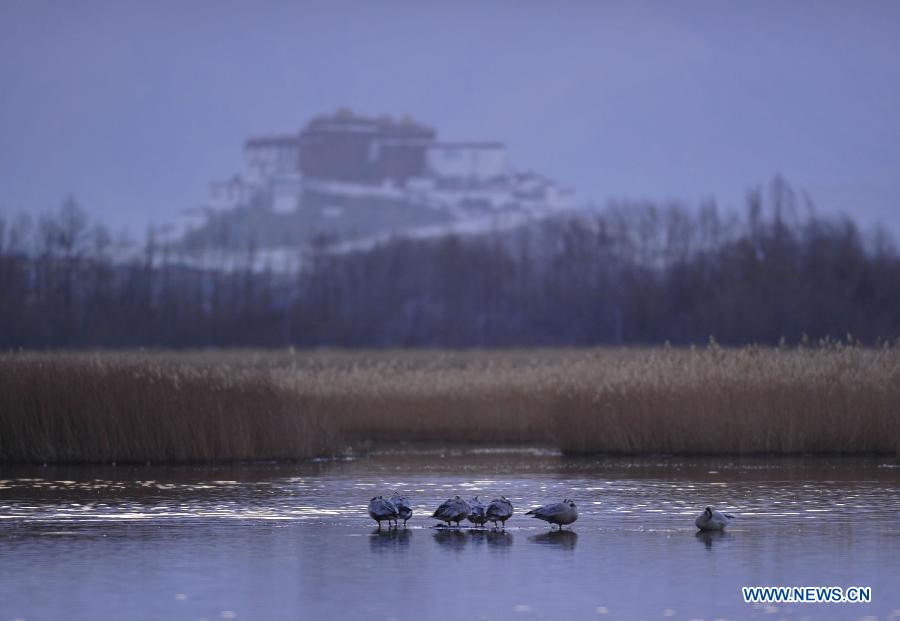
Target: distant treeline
x,y
633,273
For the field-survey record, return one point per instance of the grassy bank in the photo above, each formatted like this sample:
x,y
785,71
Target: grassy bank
x,y
233,405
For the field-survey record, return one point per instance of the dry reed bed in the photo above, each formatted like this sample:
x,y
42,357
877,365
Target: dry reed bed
x,y
215,406
79,408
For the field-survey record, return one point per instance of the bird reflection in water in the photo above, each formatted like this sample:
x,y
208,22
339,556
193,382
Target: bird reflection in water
x,y
450,538
499,539
493,538
565,539
710,537
391,539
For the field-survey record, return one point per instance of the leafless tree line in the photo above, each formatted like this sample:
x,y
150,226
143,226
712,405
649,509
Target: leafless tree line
x,y
633,273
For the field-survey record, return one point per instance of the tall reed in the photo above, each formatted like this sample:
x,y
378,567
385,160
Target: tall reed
x,y
233,405
101,408
833,400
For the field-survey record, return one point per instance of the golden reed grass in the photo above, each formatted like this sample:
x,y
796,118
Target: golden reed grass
x,y
133,408
250,405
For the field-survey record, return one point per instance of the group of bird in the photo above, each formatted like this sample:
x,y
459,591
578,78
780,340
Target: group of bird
x,y
457,509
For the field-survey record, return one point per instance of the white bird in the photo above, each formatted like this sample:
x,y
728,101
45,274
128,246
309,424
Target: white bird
x,y
711,519
499,510
476,512
559,513
453,510
401,503
381,509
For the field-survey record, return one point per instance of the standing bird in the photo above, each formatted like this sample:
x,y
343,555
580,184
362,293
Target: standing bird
x,y
381,509
499,510
404,510
557,513
711,519
476,512
453,510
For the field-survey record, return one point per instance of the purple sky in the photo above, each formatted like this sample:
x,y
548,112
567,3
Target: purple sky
x,y
135,106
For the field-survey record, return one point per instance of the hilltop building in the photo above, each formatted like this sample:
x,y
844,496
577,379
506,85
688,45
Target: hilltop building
x,y
399,159
266,157
356,149
468,162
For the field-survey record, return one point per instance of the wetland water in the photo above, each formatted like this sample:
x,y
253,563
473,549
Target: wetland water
x,y
293,541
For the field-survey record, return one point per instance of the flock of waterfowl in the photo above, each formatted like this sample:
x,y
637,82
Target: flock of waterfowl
x,y
457,509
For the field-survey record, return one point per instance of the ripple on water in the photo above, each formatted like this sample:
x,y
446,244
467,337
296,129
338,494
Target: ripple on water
x,y
285,529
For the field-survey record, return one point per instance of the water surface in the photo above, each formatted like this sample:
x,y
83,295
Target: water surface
x,y
292,541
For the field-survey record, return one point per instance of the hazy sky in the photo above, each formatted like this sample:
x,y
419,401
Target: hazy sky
x,y
135,106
